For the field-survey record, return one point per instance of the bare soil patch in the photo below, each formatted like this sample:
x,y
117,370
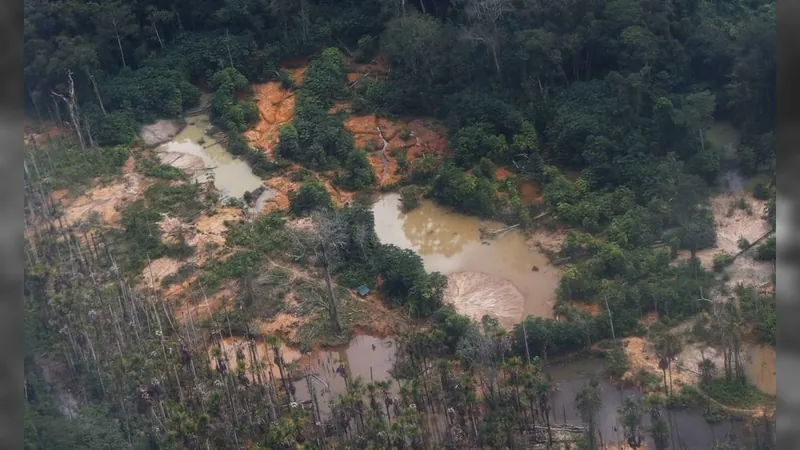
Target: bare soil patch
x,y
159,132
734,223
548,241
530,194
184,311
38,134
642,356
158,269
105,201
276,108
476,294
410,137
283,324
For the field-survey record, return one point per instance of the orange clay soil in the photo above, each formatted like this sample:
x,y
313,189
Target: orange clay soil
x,y
530,194
206,235
276,107
105,200
37,134
371,133
204,308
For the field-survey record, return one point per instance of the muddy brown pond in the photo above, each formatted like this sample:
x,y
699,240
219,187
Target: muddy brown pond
x,y
366,357
372,358
506,277
194,151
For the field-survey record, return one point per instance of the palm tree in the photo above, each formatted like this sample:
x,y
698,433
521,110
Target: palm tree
x,y
631,412
588,401
667,346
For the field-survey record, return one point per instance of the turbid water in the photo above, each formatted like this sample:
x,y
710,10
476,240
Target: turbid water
x,y
371,359
688,428
450,243
366,357
194,150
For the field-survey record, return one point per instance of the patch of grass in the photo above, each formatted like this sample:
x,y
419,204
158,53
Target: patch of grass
x,y
722,260
648,381
181,200
267,235
687,397
237,266
61,164
152,167
737,393
265,296
319,330
183,273
354,275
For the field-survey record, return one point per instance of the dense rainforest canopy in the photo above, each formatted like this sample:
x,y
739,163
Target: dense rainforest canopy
x,y
620,92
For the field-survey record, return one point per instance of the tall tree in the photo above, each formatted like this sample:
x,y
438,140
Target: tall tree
x,y
588,401
325,241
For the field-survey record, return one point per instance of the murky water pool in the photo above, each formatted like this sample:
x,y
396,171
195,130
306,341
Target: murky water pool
x,y
687,428
366,357
197,152
450,243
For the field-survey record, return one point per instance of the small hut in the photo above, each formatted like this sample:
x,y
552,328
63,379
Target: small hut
x,y
363,290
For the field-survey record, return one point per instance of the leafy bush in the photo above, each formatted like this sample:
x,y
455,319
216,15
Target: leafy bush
x,y
472,143
410,197
465,193
312,195
760,192
405,282
616,362
722,260
768,250
226,112
743,243
485,168
114,128
181,200
357,173
152,167
286,79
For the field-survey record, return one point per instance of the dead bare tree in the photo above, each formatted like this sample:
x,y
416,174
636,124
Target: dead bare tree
x,y
96,92
325,241
72,108
484,17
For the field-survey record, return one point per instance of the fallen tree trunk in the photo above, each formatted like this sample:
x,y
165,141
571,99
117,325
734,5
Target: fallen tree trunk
x,y
752,244
486,233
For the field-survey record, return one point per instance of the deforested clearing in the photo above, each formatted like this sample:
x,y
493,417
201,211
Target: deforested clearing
x,y
476,294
